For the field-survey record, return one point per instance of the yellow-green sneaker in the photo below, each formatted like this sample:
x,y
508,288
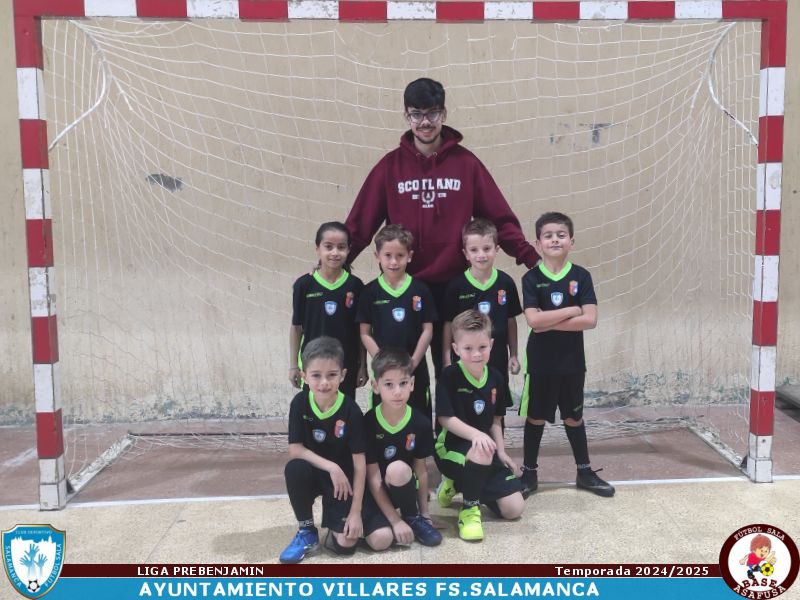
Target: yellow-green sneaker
x,y
445,492
470,527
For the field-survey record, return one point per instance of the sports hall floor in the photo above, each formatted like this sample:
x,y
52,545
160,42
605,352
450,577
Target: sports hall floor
x,y
677,501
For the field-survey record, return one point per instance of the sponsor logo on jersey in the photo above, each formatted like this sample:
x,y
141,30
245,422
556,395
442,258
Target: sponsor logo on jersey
x,y
319,435
416,303
349,300
381,302
389,452
399,314
573,288
485,307
378,436
465,296
479,405
501,297
330,307
411,441
338,431
314,295
542,285
556,298
464,390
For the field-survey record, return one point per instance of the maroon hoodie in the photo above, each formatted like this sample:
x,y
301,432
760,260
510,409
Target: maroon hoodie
x,y
434,197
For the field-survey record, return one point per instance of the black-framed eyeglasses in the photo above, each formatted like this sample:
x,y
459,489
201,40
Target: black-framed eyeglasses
x,y
418,116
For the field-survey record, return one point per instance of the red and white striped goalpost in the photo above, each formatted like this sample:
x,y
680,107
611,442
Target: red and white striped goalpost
x,y
53,493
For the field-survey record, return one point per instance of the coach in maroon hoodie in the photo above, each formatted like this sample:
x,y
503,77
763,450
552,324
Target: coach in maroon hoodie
x,y
433,186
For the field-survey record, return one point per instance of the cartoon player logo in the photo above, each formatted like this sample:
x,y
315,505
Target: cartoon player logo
x,y
416,303
501,297
349,300
573,288
761,558
759,561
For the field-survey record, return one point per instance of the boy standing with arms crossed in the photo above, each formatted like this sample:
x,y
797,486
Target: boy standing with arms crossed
x,y
559,302
471,399
398,441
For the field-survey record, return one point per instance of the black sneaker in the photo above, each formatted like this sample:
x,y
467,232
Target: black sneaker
x,y
424,531
587,479
530,482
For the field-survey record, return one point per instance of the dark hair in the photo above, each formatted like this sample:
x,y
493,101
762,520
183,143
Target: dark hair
x,y
471,321
389,359
323,347
393,232
424,93
481,227
332,226
554,217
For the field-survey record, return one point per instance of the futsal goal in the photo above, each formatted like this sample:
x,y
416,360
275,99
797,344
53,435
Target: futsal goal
x,y
178,156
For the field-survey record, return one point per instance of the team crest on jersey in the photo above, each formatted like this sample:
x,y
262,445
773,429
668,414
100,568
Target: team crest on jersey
x,y
573,288
338,431
411,441
494,395
416,303
319,435
399,314
501,297
484,307
349,300
479,405
330,307
556,298
33,556
390,452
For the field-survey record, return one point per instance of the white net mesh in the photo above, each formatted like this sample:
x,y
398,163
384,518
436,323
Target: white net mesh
x,y
185,203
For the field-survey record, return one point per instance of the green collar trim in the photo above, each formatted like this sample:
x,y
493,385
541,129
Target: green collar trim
x,y
328,413
392,428
471,379
327,284
555,276
395,292
482,286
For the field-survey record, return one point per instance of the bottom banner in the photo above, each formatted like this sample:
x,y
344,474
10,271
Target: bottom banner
x,y
430,588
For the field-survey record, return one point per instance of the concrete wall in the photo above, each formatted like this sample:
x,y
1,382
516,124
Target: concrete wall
x,y
186,284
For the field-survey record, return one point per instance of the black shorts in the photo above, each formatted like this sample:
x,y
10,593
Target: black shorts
x,y
543,393
500,483
334,512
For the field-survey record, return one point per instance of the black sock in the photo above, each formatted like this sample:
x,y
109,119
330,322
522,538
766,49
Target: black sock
x,y
531,442
580,447
473,482
299,475
404,497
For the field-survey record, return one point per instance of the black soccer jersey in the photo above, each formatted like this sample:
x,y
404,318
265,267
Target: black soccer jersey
x,y
498,298
556,351
335,435
475,402
409,439
324,308
397,316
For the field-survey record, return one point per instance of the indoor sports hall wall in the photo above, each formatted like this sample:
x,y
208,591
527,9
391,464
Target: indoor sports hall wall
x,y
225,272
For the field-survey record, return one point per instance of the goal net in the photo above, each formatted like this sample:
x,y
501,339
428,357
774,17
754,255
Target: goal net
x,y
191,163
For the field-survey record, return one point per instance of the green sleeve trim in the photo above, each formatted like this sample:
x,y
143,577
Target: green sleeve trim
x,y
331,411
482,286
331,286
385,424
395,292
555,276
474,382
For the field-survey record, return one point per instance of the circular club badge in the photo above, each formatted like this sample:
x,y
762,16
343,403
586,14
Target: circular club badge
x,y
759,561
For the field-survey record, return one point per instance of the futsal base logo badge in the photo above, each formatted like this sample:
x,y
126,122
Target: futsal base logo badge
x,y
759,561
33,556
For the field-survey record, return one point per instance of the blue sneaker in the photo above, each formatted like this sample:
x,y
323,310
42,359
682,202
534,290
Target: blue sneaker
x,y
425,533
305,541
